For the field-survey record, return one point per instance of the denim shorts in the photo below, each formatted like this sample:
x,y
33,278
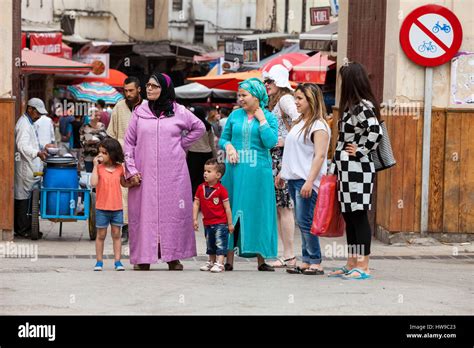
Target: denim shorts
x,y
104,218
217,237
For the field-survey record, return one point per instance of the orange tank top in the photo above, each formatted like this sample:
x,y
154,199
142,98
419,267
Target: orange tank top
x,y
108,190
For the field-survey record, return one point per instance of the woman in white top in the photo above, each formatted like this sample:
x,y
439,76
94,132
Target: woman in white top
x,y
282,105
304,163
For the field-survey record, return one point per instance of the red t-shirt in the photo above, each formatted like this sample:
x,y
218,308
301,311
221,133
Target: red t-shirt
x,y
212,207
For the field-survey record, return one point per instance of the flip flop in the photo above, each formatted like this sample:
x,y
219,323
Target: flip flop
x,y
283,262
296,270
343,269
313,271
362,275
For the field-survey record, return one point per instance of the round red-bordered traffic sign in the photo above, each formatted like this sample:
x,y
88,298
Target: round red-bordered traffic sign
x,y
431,35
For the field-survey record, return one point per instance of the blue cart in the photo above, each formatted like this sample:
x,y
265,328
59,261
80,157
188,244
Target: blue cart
x,y
59,198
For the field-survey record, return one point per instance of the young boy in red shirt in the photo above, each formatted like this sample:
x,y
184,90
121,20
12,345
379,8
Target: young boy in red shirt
x,y
213,200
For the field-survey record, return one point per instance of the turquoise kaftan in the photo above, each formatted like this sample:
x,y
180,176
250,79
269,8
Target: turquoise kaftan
x,y
250,184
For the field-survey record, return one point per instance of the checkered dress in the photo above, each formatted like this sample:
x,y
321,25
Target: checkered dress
x,y
356,173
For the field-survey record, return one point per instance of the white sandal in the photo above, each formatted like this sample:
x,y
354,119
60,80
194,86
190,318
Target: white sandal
x,y
283,263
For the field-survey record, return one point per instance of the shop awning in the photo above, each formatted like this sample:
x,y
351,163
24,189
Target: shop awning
x,y
276,40
198,91
37,63
154,50
229,82
320,39
208,57
290,49
313,69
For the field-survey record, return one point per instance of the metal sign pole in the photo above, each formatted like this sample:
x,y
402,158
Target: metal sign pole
x,y
425,174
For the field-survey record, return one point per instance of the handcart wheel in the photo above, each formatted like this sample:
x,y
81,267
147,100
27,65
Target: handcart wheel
x,y
92,228
35,214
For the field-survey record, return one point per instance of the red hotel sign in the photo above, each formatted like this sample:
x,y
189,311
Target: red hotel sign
x,y
320,15
46,43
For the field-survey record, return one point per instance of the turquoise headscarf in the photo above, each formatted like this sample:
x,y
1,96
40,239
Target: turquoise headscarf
x,y
256,88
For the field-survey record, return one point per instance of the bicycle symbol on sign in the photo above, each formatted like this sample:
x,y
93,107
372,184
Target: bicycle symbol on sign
x,y
428,46
446,28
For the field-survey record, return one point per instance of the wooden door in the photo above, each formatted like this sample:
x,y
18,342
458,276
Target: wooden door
x,y
366,45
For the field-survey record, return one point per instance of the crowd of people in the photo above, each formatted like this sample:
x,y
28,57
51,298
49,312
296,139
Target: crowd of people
x,y
251,174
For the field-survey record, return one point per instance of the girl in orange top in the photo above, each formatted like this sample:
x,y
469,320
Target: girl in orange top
x,y
107,176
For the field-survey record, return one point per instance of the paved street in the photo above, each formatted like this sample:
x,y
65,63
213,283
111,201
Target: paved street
x,y
407,280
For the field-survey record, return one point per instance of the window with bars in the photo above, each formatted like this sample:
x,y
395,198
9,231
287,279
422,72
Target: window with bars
x,y
199,34
177,5
150,14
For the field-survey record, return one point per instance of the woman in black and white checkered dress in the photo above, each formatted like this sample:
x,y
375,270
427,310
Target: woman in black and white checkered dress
x,y
359,134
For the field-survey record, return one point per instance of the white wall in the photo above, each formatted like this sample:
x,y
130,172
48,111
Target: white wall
x,y
226,14
35,12
295,15
404,80
6,51
100,27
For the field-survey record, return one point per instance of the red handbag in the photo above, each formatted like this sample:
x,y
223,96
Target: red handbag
x,y
327,217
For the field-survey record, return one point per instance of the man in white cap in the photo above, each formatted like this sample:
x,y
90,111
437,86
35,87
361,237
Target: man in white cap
x,y
28,160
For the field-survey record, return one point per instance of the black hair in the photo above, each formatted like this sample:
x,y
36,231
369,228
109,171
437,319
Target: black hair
x,y
132,79
200,113
219,165
225,112
355,86
114,149
101,102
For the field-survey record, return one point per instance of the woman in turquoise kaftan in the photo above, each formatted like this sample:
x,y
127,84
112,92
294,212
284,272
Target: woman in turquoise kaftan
x,y
248,136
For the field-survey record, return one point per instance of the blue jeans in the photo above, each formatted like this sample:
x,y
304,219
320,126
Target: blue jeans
x,y
304,210
104,218
217,237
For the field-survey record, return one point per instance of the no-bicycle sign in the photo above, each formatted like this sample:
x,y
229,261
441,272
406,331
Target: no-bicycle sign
x,y
431,35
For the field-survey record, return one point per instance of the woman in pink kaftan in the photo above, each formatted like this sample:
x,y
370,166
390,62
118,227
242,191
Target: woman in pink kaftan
x,y
160,203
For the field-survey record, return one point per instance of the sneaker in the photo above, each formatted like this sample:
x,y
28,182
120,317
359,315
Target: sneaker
x,y
99,266
217,268
207,266
118,266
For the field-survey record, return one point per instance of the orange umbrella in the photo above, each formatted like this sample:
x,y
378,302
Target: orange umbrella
x,y
116,79
229,82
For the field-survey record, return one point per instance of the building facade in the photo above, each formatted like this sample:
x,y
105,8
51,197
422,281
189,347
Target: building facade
x,y
107,20
368,32
284,16
10,96
208,22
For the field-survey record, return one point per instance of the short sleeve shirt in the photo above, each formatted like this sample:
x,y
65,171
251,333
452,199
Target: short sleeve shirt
x,y
212,206
299,153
